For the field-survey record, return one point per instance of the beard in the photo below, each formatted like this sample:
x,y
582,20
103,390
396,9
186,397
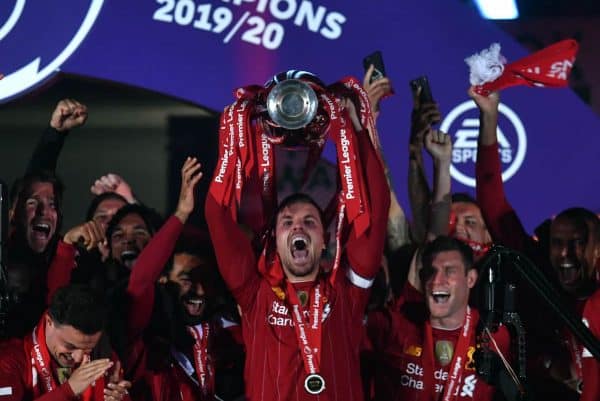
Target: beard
x,y
181,311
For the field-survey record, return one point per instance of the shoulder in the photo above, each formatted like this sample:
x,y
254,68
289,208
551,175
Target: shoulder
x,y
12,354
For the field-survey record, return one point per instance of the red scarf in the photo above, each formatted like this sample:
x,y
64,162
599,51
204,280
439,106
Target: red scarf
x,y
549,67
459,359
201,364
40,377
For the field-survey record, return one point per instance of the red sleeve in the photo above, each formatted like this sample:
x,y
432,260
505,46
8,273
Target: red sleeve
x,y
364,252
59,272
502,222
146,272
13,383
235,256
591,366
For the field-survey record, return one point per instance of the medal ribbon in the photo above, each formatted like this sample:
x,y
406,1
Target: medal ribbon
x,y
308,333
576,350
203,370
459,359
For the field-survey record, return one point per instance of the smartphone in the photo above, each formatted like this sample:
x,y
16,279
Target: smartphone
x,y
375,59
422,82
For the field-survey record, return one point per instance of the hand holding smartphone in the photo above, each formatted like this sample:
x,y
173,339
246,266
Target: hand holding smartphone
x,y
425,95
375,59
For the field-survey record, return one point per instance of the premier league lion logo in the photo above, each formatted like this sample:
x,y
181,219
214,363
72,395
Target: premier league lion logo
x,y
37,37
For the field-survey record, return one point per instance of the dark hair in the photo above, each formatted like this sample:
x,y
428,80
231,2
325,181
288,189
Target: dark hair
x,y
99,199
464,197
585,217
445,244
149,216
298,197
79,306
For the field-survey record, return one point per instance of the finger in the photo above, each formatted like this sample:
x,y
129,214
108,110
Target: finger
x,y
112,178
124,384
116,374
95,190
106,182
196,179
368,74
186,164
96,233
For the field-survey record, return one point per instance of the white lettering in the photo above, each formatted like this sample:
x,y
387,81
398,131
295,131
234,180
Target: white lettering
x,y
307,13
287,13
333,28
414,369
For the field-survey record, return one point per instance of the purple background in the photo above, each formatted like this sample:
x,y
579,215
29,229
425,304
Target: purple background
x,y
416,37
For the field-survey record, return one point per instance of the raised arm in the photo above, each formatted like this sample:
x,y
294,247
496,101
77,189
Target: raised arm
x,y
439,146
502,221
364,253
68,115
233,249
397,225
423,116
152,260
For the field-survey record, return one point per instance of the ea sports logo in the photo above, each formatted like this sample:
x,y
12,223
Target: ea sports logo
x,y
37,37
462,124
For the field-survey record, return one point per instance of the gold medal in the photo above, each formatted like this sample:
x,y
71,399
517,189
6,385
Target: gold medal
x,y
314,384
63,374
444,350
303,297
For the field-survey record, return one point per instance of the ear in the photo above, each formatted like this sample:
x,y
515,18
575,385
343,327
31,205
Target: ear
x,y
48,321
163,280
471,278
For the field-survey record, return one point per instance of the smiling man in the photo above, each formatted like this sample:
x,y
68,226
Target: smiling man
x,y
425,358
54,361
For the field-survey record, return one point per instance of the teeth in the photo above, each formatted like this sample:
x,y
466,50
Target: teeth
x,y
42,227
128,255
440,293
299,242
195,301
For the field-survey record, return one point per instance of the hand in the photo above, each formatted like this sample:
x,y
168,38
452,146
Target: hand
x,y
67,115
190,176
349,105
439,146
487,104
113,183
423,117
89,233
377,89
116,389
87,373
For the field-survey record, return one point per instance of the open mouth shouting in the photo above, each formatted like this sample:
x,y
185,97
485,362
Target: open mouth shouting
x,y
299,249
194,306
40,233
128,257
440,297
569,273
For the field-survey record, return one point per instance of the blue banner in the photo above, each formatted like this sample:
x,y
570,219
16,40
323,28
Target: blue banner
x,y
200,51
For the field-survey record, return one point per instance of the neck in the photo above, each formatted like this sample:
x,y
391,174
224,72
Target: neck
x,y
292,278
449,322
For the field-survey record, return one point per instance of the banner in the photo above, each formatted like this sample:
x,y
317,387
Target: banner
x,y
199,51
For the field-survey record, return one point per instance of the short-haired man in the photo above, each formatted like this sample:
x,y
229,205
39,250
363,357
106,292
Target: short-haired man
x,y
431,357
54,361
302,336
